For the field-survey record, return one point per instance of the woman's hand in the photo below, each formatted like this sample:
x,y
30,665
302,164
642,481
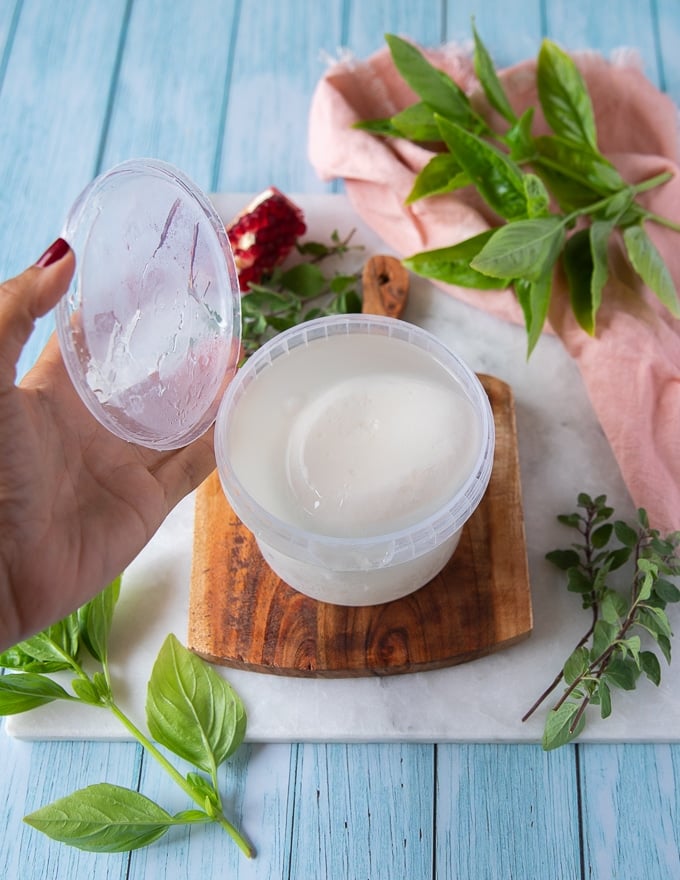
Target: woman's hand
x,y
76,503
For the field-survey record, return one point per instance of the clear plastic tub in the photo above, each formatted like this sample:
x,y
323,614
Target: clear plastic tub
x,y
150,327
355,561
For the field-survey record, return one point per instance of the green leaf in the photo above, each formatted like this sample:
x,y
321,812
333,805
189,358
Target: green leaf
x,y
305,280
581,166
573,520
576,665
558,723
601,536
605,697
661,622
525,249
618,558
22,691
534,298
649,264
442,174
519,138
578,267
417,123
610,607
486,74
498,179
600,232
666,590
17,658
604,634
433,86
627,535
564,97
95,620
622,673
103,818
578,581
537,196
381,127
651,666
191,709
452,264
563,559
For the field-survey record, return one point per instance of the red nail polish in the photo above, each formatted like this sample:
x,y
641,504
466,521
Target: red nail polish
x,y
54,253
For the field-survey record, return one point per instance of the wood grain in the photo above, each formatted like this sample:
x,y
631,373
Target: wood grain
x,y
242,615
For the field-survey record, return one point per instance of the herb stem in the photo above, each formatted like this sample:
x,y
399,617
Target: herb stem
x,y
131,727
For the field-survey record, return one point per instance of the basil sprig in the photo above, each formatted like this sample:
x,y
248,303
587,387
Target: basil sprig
x,y
191,710
540,187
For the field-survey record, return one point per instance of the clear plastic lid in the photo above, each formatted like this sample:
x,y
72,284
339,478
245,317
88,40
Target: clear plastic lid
x,y
150,328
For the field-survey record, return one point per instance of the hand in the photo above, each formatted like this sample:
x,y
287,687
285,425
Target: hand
x,y
76,503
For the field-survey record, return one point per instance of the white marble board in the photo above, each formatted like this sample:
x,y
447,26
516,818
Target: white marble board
x,y
562,451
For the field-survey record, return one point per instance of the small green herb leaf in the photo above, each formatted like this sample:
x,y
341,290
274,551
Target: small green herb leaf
x,y
417,123
558,727
96,618
103,818
191,709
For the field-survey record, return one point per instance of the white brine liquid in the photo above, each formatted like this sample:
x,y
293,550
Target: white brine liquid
x,y
353,435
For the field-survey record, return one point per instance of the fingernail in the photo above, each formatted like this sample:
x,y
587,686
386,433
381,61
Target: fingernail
x,y
54,253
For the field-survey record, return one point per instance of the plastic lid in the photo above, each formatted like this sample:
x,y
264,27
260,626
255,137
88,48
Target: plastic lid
x,y
150,328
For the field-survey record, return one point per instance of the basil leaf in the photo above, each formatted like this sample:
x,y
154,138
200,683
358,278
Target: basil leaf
x,y
452,264
538,199
17,658
649,265
564,97
416,123
486,74
55,644
96,618
525,249
442,174
103,818
581,164
578,267
191,709
534,299
519,138
434,87
496,176
22,691
557,726
381,127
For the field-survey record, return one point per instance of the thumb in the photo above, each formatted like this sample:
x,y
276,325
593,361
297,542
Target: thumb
x,y
27,297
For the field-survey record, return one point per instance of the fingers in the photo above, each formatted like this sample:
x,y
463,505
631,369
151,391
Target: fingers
x,y
27,297
182,471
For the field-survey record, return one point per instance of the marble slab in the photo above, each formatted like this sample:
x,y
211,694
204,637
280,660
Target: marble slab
x,y
562,451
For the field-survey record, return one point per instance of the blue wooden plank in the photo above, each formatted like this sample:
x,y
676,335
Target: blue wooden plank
x,y
171,88
53,105
506,811
667,36
255,787
37,774
367,24
631,810
510,30
279,59
363,811
586,25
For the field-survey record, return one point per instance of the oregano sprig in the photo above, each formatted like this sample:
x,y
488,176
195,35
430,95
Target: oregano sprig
x,y
540,187
191,710
627,625
299,293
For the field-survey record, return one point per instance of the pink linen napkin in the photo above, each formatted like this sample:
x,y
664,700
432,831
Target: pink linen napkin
x,y
631,369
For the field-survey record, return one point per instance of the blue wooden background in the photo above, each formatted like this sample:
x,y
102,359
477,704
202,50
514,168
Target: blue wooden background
x,y
221,88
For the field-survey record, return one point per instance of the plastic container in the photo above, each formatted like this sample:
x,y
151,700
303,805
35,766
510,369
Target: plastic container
x,y
359,563
150,327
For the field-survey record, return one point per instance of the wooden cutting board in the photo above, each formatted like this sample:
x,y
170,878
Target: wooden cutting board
x,y
242,615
